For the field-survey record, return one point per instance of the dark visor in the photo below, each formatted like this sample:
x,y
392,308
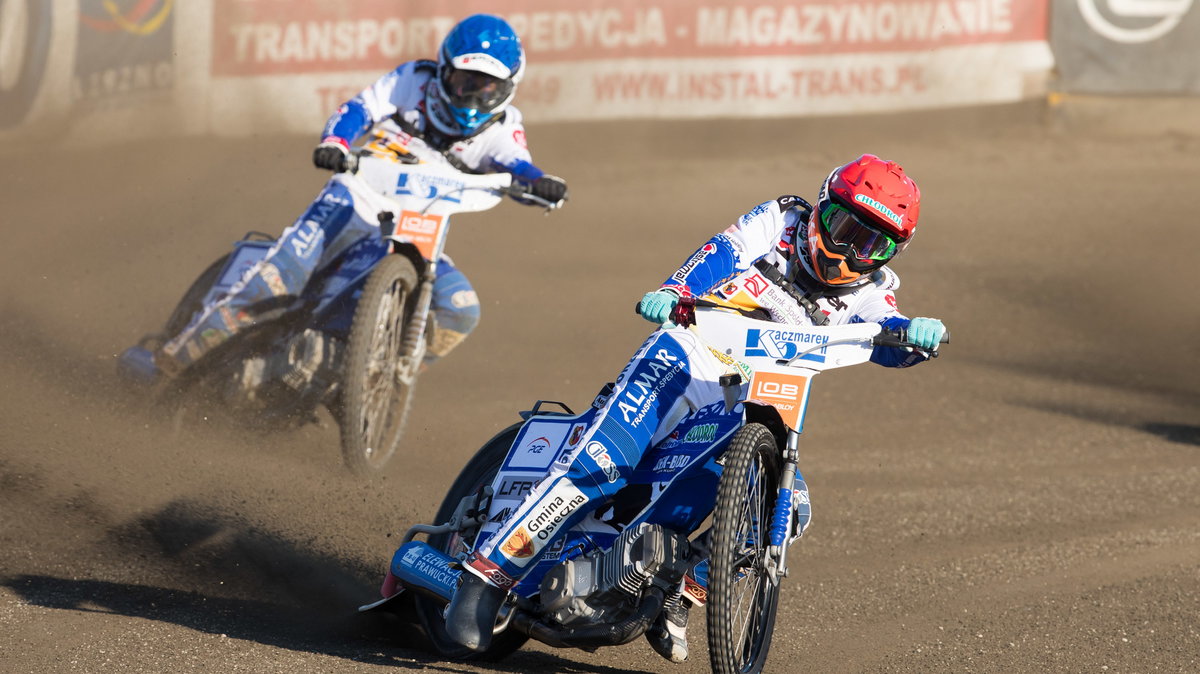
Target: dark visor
x,y
474,90
867,243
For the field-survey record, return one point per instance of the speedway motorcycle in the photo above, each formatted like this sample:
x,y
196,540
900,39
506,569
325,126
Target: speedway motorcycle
x,y
355,339
707,517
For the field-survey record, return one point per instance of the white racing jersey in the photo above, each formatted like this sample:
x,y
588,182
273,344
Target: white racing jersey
x,y
393,109
724,271
747,264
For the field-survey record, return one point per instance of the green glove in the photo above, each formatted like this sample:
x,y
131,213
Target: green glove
x,y
657,306
926,332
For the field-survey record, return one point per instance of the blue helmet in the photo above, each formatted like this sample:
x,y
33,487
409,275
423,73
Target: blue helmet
x,y
479,65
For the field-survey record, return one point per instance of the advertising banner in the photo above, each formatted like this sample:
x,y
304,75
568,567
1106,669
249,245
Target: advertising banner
x,y
140,68
124,50
672,58
1127,46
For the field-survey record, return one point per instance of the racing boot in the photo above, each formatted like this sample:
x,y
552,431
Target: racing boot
x,y
668,634
471,616
136,365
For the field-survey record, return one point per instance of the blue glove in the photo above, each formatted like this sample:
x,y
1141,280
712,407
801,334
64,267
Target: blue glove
x,y
926,332
657,306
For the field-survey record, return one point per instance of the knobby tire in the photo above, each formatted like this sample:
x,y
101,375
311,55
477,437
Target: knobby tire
x,y
479,472
374,405
737,643
193,299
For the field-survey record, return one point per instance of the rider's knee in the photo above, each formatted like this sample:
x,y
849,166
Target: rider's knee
x,y
460,312
456,310
455,302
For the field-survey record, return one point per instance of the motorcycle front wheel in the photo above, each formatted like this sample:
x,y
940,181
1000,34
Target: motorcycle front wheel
x,y
477,474
742,598
374,404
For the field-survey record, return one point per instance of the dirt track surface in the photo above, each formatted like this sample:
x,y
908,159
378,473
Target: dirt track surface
x,y
1028,502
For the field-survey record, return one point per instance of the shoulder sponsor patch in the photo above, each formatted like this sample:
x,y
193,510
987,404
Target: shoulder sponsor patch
x,y
694,261
787,201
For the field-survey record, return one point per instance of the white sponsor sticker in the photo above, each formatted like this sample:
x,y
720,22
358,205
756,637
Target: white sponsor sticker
x,y
538,445
540,525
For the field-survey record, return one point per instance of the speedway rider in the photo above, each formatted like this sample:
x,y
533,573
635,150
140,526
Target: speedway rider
x,y
798,264
457,105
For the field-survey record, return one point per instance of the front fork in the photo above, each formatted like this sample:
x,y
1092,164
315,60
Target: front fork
x,y
786,508
414,342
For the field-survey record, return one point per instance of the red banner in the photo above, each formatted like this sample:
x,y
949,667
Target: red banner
x,y
264,37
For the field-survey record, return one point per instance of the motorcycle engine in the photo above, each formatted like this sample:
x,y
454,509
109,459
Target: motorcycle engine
x,y
606,587
310,359
306,365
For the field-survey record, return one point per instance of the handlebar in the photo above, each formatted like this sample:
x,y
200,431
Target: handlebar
x,y
684,315
524,192
899,337
515,190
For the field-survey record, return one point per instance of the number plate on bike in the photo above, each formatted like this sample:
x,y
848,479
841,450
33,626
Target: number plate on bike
x,y
785,391
421,229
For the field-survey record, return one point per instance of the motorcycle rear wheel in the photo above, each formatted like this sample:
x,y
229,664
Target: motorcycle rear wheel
x,y
193,299
478,473
374,403
742,600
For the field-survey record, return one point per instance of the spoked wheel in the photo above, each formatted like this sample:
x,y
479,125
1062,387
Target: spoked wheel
x,y
743,597
478,473
374,401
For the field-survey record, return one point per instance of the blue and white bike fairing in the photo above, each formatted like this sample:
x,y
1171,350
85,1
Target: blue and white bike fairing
x,y
675,482
394,202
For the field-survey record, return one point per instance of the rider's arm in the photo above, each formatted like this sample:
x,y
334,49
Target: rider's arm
x,y
879,306
734,250
505,148
371,106
508,153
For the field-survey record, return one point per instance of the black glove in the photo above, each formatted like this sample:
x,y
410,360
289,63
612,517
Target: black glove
x,y
331,156
551,188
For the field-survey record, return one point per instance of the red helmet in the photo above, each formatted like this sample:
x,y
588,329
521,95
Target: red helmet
x,y
866,213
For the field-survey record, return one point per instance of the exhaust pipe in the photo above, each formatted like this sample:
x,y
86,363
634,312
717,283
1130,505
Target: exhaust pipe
x,y
431,573
595,636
